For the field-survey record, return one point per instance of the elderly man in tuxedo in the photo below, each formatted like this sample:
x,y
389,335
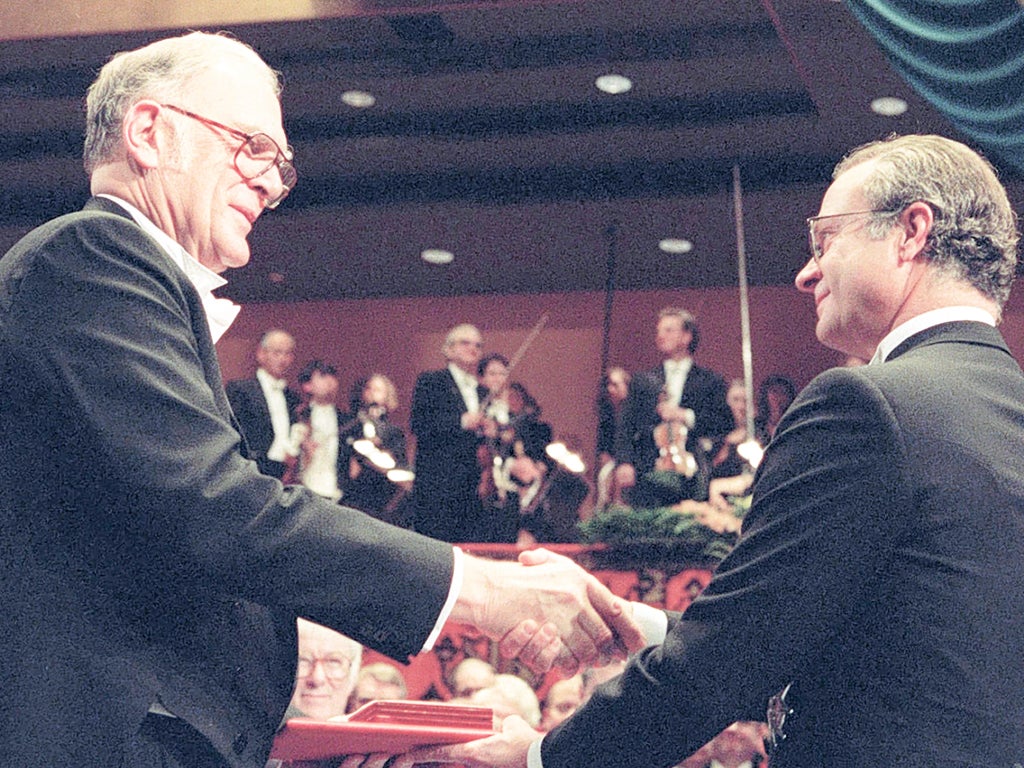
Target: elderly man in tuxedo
x,y
152,576
265,405
875,600
448,419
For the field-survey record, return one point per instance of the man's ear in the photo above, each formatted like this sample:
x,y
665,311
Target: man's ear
x,y
916,222
143,136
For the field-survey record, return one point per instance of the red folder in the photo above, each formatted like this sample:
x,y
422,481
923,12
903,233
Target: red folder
x,y
391,727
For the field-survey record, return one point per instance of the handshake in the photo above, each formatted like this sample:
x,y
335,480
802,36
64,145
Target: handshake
x,y
547,611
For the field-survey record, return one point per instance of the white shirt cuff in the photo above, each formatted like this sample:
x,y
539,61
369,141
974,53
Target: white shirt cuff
x,y
653,622
533,755
449,604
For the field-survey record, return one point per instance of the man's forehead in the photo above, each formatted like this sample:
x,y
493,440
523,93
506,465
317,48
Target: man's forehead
x,y
847,191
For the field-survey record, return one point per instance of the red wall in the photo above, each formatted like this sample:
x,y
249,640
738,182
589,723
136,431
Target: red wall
x,y
401,337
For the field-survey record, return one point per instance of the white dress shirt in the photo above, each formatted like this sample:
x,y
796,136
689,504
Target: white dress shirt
x,y
467,384
676,372
220,313
273,391
320,470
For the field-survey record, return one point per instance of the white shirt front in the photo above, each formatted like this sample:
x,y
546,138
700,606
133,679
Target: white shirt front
x,y
320,469
280,419
676,372
467,385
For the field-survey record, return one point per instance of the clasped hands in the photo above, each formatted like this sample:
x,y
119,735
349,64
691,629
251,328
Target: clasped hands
x,y
545,610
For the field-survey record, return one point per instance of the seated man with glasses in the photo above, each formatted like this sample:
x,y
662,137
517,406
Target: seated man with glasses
x,y
325,674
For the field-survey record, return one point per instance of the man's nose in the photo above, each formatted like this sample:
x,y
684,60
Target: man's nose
x,y
808,276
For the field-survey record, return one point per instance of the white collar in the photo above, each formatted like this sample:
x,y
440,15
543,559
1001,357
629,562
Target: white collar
x,y
270,382
220,313
918,323
463,378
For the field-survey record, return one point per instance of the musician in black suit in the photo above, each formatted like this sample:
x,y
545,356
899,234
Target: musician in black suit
x,y
151,575
677,391
878,578
265,405
448,421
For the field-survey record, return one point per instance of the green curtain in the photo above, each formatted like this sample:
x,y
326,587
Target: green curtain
x,y
966,57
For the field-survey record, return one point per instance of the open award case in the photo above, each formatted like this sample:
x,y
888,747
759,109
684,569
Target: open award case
x,y
391,727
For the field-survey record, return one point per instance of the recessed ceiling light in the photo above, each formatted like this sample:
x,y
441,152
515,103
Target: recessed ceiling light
x,y
888,106
613,84
358,99
437,256
675,245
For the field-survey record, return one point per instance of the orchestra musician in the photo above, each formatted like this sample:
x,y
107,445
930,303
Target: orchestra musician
x,y
368,485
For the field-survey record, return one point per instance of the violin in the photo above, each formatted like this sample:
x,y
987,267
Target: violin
x,y
670,437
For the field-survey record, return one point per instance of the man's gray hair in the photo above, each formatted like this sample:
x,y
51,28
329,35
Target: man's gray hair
x,y
974,237
163,71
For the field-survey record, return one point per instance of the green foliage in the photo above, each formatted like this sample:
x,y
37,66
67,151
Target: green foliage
x,y
663,528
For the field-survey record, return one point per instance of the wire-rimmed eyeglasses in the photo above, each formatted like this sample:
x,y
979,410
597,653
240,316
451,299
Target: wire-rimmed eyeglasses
x,y
257,154
817,239
333,667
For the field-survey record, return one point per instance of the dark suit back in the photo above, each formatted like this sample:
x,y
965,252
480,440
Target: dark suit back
x,y
878,570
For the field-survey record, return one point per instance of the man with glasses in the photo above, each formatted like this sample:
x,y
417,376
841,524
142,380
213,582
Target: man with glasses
x,y
325,673
151,575
448,417
875,599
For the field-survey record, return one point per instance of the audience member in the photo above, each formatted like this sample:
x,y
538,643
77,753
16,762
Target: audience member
x,y
328,665
153,568
614,388
509,695
447,421
368,487
677,392
774,396
265,405
469,676
323,457
563,698
379,681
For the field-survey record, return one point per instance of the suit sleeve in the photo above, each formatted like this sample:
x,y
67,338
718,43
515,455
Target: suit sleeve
x,y
109,326
822,523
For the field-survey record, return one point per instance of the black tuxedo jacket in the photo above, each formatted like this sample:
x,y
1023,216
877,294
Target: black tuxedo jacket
x,y
879,570
144,558
249,405
704,392
447,473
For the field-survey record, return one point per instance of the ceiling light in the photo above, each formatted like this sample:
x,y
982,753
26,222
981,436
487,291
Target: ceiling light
x,y
675,245
613,84
889,106
275,277
358,99
437,256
